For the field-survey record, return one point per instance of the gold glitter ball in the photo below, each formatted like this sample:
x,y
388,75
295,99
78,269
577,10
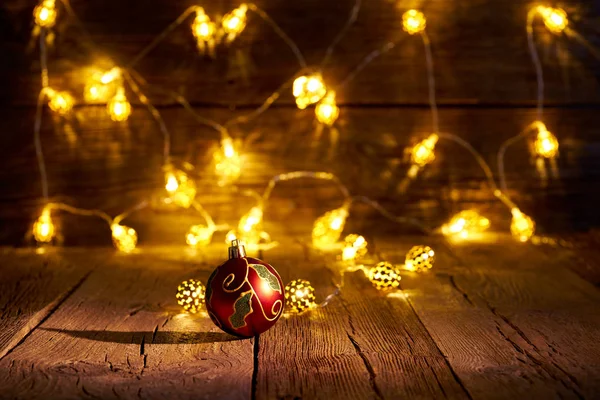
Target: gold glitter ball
x,y
299,296
420,259
384,276
190,295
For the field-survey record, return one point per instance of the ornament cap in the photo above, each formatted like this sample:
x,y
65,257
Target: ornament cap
x,y
237,250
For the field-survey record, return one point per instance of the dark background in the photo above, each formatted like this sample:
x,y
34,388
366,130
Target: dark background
x,y
485,85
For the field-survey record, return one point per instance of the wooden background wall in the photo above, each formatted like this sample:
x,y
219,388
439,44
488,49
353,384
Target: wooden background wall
x,y
486,90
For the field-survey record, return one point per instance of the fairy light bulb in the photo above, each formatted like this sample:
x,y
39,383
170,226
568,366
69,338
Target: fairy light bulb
x,y
308,89
384,276
413,21
419,259
60,102
250,224
328,228
119,108
228,163
422,154
234,22
45,14
555,19
124,238
181,189
43,228
299,296
100,85
199,236
191,295
522,227
466,223
327,111
355,247
546,144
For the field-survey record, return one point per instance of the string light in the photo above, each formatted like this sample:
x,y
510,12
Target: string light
x,y
465,224
555,19
327,111
422,154
100,85
234,22
328,228
413,21
60,102
384,276
43,228
249,229
308,89
124,238
204,31
299,296
199,236
45,14
190,295
119,108
181,189
546,144
522,227
228,163
355,247
419,259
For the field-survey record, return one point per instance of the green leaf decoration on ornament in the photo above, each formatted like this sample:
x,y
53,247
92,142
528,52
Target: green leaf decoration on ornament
x,y
242,308
267,275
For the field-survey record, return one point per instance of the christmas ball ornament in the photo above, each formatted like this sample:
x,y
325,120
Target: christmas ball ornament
x,y
299,296
420,259
190,295
244,295
384,276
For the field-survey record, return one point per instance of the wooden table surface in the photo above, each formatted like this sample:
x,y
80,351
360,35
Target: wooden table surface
x,y
493,319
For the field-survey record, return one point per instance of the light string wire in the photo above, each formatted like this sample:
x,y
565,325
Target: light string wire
x,y
351,20
502,152
37,125
366,61
536,62
82,212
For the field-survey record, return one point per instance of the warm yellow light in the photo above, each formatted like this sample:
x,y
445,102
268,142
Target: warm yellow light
x,y
181,189
419,259
422,154
234,22
555,19
60,102
100,86
190,295
522,226
308,89
228,163
465,224
251,222
124,238
202,27
119,108
327,111
328,228
45,14
414,21
43,228
384,276
299,296
199,236
546,144
355,247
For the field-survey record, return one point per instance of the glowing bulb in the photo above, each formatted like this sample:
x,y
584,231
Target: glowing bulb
x,y
384,276
555,19
308,89
299,296
204,30
546,144
522,226
199,236
101,85
60,102
328,228
414,21
45,14
228,163
327,111
181,189
422,154
43,228
465,224
419,259
124,238
119,108
249,229
191,295
234,22
355,247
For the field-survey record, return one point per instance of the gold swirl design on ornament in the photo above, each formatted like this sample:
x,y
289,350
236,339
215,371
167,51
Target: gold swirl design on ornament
x,y
231,277
270,319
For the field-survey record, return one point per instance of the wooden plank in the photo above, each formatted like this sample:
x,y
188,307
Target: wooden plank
x,y
121,335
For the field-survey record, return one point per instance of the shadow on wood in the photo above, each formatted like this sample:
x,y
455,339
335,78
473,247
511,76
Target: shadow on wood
x,y
156,337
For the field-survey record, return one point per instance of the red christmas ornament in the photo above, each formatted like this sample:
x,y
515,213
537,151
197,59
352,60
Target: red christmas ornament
x,y
244,295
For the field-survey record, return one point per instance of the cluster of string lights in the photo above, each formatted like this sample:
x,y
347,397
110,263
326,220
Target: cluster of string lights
x,y
309,89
